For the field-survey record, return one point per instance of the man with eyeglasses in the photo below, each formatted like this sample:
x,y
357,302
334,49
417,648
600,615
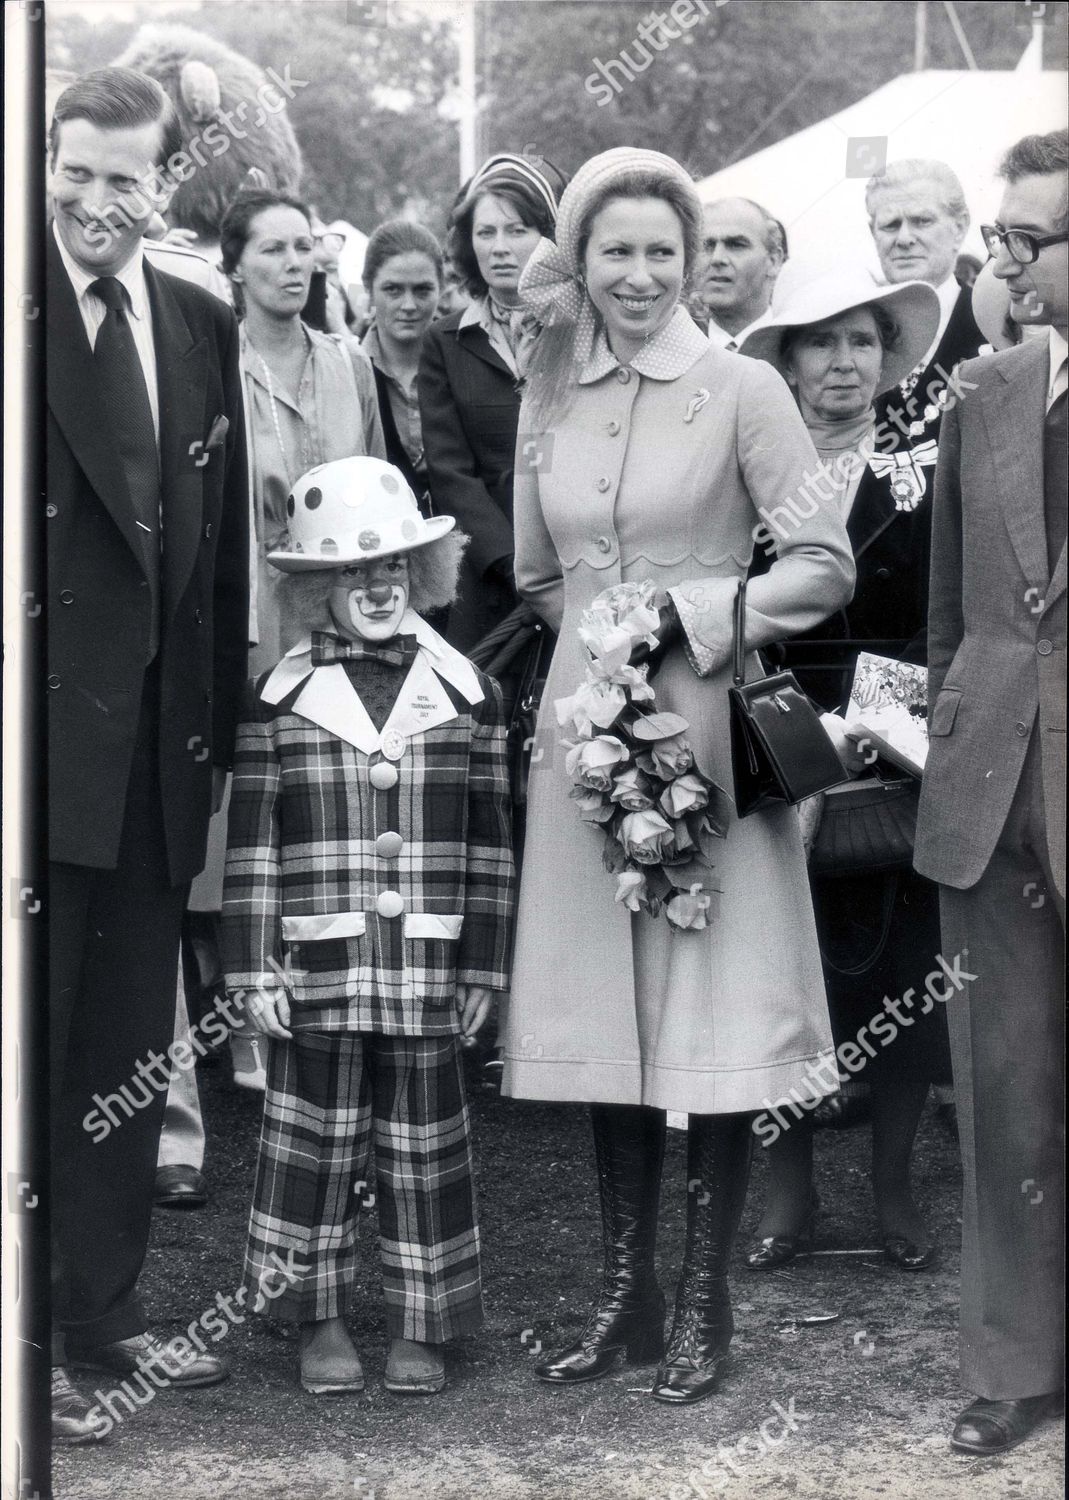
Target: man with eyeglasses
x,y
991,827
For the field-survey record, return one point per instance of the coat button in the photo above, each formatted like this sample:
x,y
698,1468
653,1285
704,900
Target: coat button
x,y
1021,729
883,573
1044,647
66,597
207,531
390,904
603,544
623,375
389,845
51,511
614,427
207,695
604,485
53,681
383,776
198,617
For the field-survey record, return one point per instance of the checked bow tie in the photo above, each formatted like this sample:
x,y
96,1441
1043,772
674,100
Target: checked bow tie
x,y
398,651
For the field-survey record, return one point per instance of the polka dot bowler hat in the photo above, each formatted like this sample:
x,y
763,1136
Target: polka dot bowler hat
x,y
350,511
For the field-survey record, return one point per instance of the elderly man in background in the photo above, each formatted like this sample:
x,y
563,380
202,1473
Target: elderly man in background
x,y
743,250
918,217
991,825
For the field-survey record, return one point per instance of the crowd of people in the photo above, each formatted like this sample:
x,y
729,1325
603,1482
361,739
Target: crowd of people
x,y
318,570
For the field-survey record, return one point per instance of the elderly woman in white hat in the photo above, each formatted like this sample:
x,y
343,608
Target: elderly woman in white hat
x,y
649,455
840,339
367,913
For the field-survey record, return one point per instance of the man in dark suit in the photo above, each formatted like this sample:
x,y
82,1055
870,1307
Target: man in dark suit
x,y
991,827
147,558
918,217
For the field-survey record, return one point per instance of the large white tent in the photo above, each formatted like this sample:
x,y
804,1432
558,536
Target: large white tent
x,y
814,181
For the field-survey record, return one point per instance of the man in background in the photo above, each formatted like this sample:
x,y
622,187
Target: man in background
x,y
743,250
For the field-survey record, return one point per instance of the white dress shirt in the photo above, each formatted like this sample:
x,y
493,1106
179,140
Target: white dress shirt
x,y
93,311
1058,379
732,342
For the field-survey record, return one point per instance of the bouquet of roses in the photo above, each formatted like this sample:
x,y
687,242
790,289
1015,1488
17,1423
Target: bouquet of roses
x,y
634,769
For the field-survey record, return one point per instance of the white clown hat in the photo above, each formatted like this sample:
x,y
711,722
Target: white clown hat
x,y
350,511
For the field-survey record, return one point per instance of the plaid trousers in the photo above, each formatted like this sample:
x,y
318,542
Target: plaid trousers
x,y
331,1100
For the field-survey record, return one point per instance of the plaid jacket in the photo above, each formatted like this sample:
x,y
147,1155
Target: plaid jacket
x,y
372,882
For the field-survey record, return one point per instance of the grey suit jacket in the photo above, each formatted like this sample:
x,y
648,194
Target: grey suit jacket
x,y
996,632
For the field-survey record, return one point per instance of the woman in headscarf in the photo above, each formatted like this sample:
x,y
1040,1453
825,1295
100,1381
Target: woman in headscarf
x,y
660,453
840,339
470,376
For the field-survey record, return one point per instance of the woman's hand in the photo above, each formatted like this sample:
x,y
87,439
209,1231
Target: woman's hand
x,y
473,1004
851,742
269,1011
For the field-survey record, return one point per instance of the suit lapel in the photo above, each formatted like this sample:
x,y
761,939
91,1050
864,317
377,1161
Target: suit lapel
x,y
475,341
872,512
1013,414
181,368
73,394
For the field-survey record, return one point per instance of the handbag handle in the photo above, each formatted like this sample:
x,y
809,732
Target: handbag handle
x,y
739,634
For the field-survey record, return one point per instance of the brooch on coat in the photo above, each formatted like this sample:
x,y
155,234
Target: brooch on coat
x,y
696,402
905,470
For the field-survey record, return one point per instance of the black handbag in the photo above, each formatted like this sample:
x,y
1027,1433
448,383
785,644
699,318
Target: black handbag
x,y
780,752
866,827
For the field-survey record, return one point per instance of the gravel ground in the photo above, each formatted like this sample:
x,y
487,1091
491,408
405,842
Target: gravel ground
x,y
851,1409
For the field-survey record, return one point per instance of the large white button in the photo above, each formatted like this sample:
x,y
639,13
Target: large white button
x,y
603,544
383,775
389,845
393,744
390,904
614,427
623,375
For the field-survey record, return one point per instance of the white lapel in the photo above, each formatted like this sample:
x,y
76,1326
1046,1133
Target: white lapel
x,y
328,698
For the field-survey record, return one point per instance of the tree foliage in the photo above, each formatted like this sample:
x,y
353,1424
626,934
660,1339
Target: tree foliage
x,y
379,134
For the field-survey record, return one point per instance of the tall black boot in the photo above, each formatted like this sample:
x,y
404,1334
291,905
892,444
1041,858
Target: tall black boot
x,y
629,1313
719,1148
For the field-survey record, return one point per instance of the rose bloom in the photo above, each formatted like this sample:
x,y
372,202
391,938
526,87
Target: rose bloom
x,y
632,790
667,758
686,794
593,807
647,837
631,889
592,761
688,909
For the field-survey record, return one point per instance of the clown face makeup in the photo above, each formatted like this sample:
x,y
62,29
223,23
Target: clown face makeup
x,y
368,599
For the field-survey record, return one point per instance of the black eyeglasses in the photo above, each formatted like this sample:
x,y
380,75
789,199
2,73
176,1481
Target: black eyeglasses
x,y
1023,247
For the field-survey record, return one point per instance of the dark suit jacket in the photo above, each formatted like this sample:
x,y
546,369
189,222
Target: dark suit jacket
x,y
888,613
996,631
961,340
98,615
469,408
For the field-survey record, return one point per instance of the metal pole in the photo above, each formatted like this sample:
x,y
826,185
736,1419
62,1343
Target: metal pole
x,y
920,36
469,104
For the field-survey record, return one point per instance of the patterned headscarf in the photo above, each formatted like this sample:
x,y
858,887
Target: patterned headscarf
x,y
551,285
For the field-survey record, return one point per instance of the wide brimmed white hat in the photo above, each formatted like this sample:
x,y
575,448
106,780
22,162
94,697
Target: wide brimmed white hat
x,y
353,510
799,303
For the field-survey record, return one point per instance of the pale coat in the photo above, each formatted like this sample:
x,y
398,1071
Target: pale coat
x,y
656,473
996,633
